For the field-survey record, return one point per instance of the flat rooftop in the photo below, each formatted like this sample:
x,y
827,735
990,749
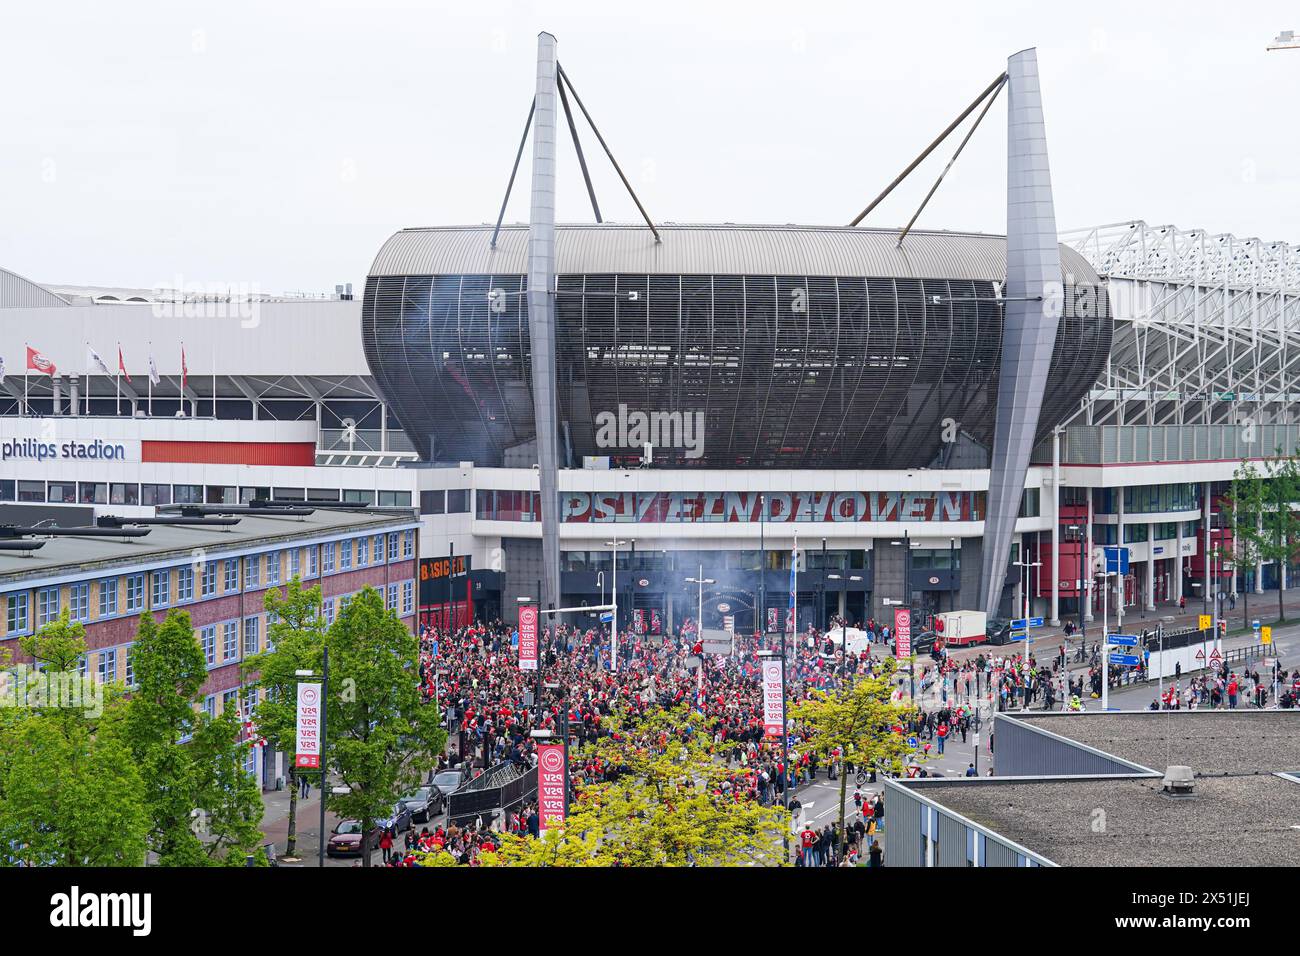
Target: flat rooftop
x,y
1230,821
165,543
1211,742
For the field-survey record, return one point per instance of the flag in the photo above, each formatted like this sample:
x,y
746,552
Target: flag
x,y
184,371
121,364
94,360
39,363
154,377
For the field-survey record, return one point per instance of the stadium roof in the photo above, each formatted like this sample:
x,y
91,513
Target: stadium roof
x,y
725,249
17,292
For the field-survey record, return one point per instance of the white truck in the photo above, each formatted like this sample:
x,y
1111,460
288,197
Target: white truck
x,y
961,628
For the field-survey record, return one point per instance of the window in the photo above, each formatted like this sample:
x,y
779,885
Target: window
x,y
231,582
363,552
187,494
327,610
129,665
134,592
162,582
184,584
408,544
359,496
79,601
31,491
457,501
17,608
62,492
250,704
155,494
392,546
108,665
323,494
108,597
251,638
208,641
219,495
92,492
121,494
229,698
289,494
8,489
273,568
210,706
327,558
313,562
229,640
209,585
345,555
379,549
295,563
394,499
408,599
252,571
47,606
433,502
391,603
253,494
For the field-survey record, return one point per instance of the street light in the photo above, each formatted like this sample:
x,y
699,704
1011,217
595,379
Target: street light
x,y
699,619
1023,563
613,621
324,764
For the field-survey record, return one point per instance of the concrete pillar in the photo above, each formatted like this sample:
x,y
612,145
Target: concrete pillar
x,y
1086,570
56,389
1178,561
1151,567
1056,528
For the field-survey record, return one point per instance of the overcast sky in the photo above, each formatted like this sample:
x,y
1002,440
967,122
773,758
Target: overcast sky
x,y
279,144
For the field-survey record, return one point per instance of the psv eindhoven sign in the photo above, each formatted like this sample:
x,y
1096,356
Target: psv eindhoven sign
x,y
902,632
309,712
773,699
528,638
550,786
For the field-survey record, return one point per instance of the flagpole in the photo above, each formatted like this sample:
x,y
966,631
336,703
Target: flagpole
x,y
150,377
214,380
117,381
26,361
87,380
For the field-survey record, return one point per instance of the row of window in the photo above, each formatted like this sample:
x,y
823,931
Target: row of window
x,y
132,493
126,595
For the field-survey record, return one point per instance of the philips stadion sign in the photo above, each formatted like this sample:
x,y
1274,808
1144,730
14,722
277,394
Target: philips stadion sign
x,y
34,449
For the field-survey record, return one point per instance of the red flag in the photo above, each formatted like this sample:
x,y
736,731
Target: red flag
x,y
39,363
121,365
184,371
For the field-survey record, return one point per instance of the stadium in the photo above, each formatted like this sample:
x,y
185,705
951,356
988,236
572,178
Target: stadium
x,y
930,417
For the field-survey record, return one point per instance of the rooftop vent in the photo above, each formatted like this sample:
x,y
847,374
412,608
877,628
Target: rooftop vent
x,y
1178,781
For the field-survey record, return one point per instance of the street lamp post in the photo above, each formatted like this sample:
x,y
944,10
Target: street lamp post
x,y
1025,563
324,763
699,617
613,620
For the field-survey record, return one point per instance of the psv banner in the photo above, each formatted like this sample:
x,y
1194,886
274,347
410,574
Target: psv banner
x,y
550,787
528,638
309,712
773,699
902,632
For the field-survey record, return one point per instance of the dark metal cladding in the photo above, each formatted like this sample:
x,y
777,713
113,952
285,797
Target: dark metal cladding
x,y
863,376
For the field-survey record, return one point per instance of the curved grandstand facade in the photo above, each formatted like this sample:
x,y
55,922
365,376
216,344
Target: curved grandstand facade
x,y
792,347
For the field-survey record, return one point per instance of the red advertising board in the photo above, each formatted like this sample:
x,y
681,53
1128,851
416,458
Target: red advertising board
x,y
550,786
773,699
528,638
307,748
902,632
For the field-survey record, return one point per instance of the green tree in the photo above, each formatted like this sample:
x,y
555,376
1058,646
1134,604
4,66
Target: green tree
x,y
192,764
295,641
672,803
382,739
859,722
1273,493
70,793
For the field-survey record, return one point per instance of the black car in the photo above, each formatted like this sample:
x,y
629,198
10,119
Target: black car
x,y
998,632
449,781
923,643
425,803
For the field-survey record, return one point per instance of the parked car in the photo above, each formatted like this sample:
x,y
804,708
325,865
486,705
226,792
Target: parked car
x,y
345,839
449,781
999,631
424,803
400,821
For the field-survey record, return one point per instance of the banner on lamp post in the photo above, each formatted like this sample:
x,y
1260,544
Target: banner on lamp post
x,y
550,787
773,699
307,747
528,638
902,632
